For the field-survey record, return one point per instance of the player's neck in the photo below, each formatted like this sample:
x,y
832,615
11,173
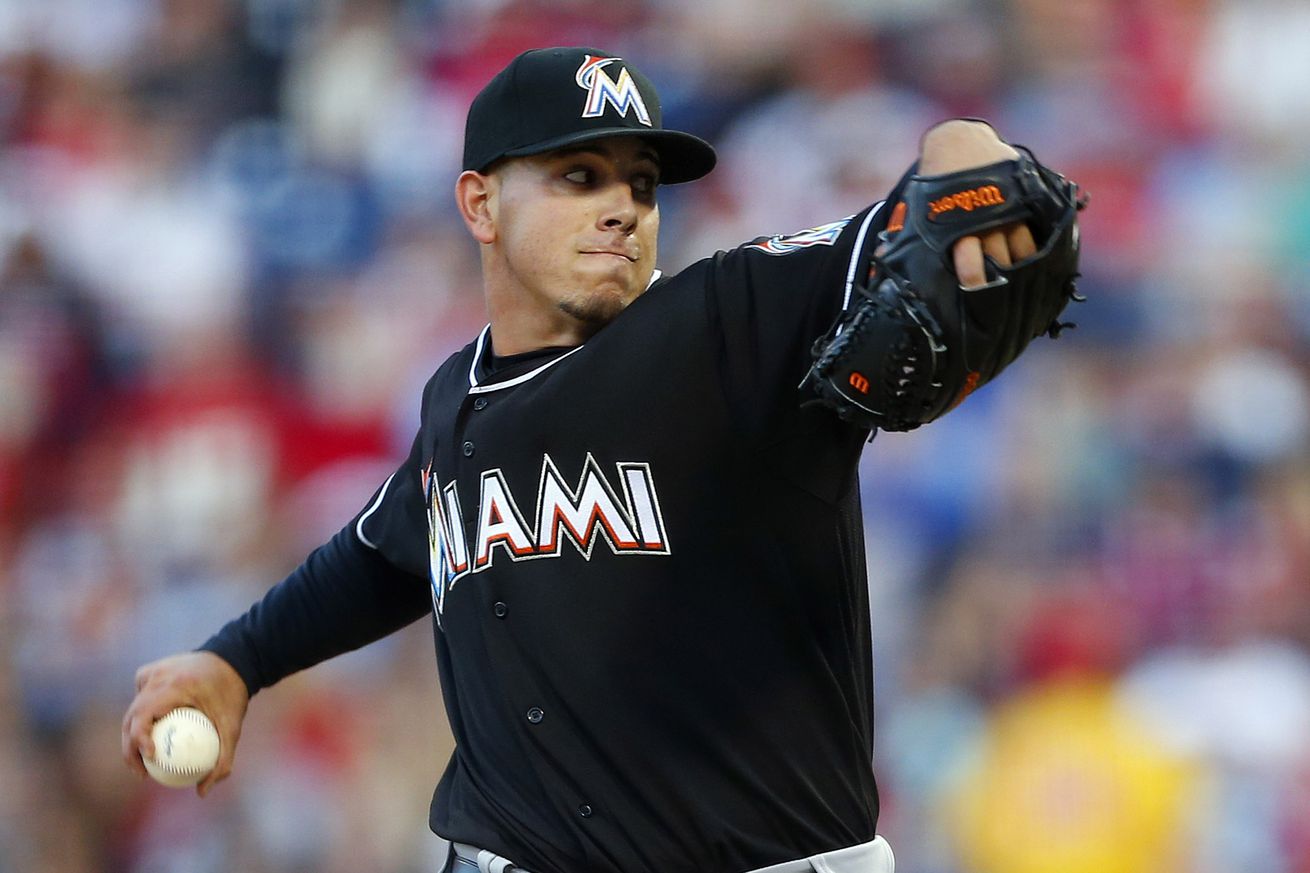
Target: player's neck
x,y
516,329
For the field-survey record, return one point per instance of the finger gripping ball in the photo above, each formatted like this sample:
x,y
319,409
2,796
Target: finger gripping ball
x,y
186,748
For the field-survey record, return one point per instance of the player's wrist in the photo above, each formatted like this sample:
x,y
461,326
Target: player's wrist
x,y
233,662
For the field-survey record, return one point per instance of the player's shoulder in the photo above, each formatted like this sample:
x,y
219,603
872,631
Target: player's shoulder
x,y
791,259
821,241
824,235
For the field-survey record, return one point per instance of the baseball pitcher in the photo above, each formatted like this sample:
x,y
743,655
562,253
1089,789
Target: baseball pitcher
x,y
631,507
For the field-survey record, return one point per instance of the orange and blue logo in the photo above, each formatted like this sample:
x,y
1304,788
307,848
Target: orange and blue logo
x,y
622,93
785,244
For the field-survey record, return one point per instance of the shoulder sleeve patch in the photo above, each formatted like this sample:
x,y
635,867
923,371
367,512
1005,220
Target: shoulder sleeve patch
x,y
785,244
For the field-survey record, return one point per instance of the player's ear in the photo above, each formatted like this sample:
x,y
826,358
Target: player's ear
x,y
474,196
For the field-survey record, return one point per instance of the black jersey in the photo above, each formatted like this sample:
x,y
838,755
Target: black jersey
x,y
644,561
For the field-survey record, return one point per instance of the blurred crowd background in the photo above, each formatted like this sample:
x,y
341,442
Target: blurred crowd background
x,y
229,260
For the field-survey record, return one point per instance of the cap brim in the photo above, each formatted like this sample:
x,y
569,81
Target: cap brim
x,y
683,157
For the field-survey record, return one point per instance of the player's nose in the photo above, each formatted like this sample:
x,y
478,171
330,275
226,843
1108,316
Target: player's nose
x,y
619,210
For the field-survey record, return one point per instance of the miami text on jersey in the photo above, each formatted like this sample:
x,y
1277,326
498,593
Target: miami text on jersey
x,y
628,519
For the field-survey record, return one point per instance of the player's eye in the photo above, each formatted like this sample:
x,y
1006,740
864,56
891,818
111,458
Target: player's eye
x,y
644,184
580,176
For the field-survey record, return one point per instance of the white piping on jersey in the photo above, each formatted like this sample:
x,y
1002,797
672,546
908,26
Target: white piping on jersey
x,y
855,255
477,356
475,388
519,380
359,525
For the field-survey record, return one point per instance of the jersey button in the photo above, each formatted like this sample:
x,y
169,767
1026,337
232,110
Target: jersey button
x,y
468,449
480,403
536,714
585,810
500,610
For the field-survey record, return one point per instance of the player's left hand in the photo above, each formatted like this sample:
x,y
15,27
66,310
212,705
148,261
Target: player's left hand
x,y
961,144
979,256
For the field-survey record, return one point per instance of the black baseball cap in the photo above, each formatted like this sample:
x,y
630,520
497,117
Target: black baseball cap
x,y
550,98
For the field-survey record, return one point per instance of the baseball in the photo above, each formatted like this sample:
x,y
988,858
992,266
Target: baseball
x,y
186,748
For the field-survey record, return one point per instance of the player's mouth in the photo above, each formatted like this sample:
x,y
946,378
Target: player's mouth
x,y
627,255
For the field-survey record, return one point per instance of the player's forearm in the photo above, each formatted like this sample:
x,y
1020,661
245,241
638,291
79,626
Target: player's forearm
x,y
342,597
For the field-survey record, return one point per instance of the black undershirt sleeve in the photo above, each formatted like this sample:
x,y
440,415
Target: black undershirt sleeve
x,y
344,596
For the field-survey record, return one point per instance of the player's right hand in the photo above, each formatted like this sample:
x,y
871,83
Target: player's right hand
x,y
199,679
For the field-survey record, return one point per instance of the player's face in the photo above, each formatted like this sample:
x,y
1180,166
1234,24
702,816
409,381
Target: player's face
x,y
577,229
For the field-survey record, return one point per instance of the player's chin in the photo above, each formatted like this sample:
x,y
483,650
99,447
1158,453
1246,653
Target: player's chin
x,y
598,308
595,311
601,303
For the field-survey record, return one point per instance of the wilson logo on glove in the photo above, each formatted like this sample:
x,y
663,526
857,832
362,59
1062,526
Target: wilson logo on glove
x,y
976,198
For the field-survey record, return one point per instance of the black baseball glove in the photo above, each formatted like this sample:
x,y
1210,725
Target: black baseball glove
x,y
913,343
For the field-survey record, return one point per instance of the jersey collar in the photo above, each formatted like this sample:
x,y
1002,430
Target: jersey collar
x,y
480,349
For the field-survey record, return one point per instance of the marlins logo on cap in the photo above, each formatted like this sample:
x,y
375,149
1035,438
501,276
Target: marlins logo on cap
x,y
601,89
531,107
